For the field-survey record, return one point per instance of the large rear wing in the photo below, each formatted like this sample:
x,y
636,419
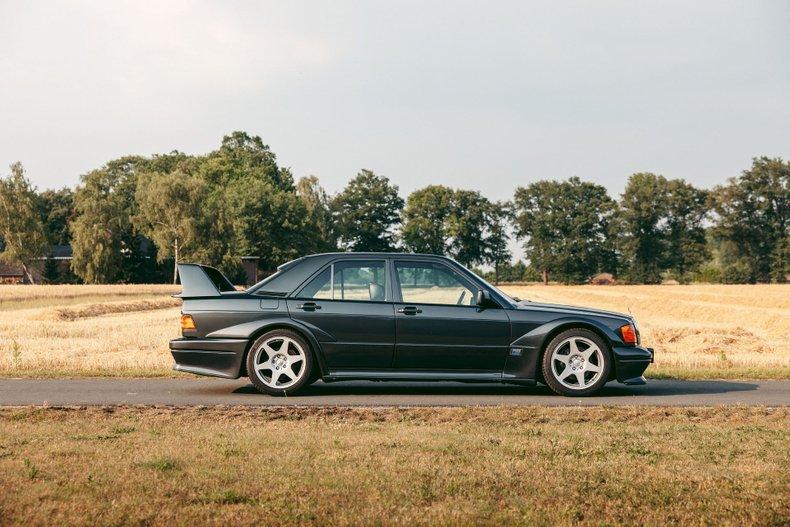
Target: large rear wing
x,y
202,281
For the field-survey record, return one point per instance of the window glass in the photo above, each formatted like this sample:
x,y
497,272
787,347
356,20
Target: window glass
x,y
352,281
424,283
320,286
359,281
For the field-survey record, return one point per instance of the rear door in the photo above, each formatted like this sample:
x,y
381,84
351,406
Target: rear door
x,y
349,305
439,327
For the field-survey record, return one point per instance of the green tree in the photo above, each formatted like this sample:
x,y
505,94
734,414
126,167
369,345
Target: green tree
x,y
425,219
320,225
21,229
466,227
102,204
565,227
687,209
253,207
366,213
106,247
168,212
56,208
497,254
268,223
753,222
642,214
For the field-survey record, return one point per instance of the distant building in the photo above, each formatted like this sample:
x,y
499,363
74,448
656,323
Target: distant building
x,y
10,274
57,260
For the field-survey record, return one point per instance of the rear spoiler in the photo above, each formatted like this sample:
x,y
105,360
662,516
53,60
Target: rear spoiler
x,y
201,281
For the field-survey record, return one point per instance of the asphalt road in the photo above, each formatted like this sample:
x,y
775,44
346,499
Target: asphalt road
x,y
210,392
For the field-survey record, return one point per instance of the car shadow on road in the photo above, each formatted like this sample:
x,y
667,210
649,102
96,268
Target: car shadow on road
x,y
613,389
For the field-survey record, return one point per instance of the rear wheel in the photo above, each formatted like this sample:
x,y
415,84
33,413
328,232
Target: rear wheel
x,y
280,362
576,362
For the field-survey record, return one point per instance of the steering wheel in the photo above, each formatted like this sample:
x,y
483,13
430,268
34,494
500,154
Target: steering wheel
x,y
461,299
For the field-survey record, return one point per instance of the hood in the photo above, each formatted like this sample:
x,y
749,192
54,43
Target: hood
x,y
571,310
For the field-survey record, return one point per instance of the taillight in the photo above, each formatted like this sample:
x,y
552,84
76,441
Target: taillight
x,y
628,332
187,323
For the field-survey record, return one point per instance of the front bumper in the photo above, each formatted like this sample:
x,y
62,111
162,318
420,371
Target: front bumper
x,y
212,357
631,362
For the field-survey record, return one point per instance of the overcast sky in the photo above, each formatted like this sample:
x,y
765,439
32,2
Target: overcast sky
x,y
481,95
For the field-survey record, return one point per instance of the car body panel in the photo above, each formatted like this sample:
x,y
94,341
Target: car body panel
x,y
373,340
451,337
353,335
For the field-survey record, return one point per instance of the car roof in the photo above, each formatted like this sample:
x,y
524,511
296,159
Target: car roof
x,y
292,274
375,254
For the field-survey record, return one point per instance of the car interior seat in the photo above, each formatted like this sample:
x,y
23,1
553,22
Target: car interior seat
x,y
376,291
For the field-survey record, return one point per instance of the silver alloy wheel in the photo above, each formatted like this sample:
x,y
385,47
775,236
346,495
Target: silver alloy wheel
x,y
577,363
279,362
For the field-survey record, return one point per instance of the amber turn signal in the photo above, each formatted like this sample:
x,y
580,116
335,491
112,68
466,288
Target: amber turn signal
x,y
187,322
628,332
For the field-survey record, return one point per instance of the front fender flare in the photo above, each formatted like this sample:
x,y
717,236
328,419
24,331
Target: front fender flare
x,y
525,352
250,330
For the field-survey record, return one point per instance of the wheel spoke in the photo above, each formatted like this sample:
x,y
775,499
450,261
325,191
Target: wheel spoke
x,y
562,358
565,373
292,374
580,378
269,350
264,365
294,359
589,351
275,377
574,347
284,347
592,367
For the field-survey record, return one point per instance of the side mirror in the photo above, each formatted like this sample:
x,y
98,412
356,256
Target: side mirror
x,y
483,298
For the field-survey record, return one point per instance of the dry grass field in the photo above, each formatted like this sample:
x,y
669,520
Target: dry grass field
x,y
727,331
469,466
76,330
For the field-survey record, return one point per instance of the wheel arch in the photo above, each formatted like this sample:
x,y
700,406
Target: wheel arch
x,y
251,332
581,324
537,340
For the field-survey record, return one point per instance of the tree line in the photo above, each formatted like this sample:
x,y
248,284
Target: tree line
x,y
129,220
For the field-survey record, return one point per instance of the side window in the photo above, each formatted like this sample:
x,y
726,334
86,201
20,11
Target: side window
x,y
427,283
354,280
319,287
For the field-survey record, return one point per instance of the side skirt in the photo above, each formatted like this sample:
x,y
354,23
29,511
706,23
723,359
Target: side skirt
x,y
399,375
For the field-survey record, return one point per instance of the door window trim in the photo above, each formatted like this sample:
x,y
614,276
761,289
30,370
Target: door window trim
x,y
388,295
398,292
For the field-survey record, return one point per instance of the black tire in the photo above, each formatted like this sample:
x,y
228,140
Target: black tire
x,y
590,381
262,380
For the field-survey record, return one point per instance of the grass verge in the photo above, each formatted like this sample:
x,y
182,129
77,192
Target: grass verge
x,y
335,466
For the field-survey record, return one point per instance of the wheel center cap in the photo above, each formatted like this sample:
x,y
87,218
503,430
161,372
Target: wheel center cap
x,y
279,361
576,362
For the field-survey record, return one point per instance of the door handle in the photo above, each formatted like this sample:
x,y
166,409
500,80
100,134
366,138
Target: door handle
x,y
409,310
308,306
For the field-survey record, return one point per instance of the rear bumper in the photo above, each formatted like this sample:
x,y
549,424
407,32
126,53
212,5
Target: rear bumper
x,y
212,357
631,362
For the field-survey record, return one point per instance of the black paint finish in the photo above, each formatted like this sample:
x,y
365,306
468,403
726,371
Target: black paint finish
x,y
385,339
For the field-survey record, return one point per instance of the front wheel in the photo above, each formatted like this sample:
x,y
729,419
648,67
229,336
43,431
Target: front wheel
x,y
280,363
577,362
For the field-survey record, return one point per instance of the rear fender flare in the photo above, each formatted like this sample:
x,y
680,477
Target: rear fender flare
x,y
251,330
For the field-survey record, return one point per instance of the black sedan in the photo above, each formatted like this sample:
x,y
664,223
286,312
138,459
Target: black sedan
x,y
387,316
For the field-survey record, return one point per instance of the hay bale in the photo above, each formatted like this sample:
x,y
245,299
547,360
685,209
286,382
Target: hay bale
x,y
603,279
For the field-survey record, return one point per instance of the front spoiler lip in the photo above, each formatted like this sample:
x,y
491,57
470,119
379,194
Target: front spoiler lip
x,y
631,362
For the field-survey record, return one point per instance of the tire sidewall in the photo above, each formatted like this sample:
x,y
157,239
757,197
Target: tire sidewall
x,y
306,373
548,373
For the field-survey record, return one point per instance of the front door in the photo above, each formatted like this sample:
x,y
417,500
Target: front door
x,y
439,327
348,305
